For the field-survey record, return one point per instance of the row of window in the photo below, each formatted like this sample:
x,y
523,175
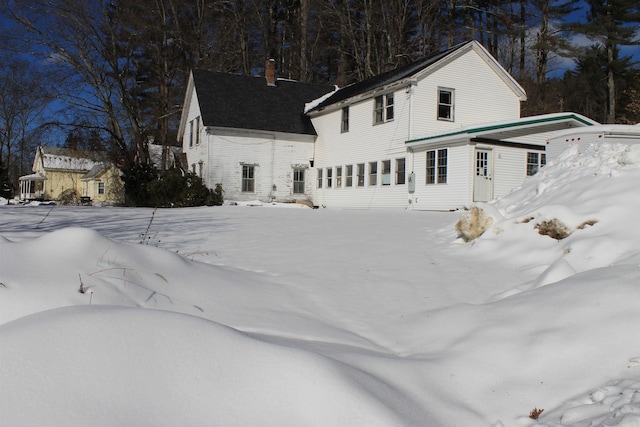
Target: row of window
x,y
383,108
367,174
361,174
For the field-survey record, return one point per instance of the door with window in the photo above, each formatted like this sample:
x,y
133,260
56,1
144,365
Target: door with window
x,y
483,179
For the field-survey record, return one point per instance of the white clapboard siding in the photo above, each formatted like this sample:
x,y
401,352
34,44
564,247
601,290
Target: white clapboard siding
x,y
480,95
364,143
455,193
274,157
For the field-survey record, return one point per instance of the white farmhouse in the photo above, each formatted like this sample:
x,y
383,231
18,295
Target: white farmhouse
x,y
437,134
250,134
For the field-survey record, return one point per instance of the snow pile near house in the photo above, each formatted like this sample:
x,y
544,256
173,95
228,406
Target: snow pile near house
x,y
335,318
584,204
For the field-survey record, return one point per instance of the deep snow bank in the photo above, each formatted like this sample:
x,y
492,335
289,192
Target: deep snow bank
x,y
106,365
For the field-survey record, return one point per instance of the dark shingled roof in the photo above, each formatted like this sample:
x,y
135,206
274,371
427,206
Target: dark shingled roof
x,y
243,102
387,78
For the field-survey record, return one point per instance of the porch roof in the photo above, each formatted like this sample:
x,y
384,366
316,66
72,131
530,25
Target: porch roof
x,y
513,131
33,177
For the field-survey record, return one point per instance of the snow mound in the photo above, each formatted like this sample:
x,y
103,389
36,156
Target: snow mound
x,y
126,366
570,212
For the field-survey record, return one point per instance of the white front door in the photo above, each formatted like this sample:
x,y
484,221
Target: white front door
x,y
483,179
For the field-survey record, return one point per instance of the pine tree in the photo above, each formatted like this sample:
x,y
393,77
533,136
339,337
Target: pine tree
x,y
610,23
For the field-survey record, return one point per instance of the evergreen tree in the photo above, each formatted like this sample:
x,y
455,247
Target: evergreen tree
x,y
610,23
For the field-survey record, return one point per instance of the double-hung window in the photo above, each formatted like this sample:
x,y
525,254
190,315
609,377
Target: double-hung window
x,y
298,181
319,170
445,104
360,171
535,161
386,172
100,187
383,108
373,173
400,171
348,176
329,177
436,171
248,178
345,120
338,176
194,131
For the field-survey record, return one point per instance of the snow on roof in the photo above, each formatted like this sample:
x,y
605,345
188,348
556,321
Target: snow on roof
x,y
313,104
68,159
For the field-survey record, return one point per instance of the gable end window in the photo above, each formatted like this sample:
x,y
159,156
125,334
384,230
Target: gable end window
x,y
345,120
248,178
194,132
383,108
535,162
445,104
436,171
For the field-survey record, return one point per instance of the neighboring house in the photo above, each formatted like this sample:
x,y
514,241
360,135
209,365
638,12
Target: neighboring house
x,y
437,134
58,172
250,134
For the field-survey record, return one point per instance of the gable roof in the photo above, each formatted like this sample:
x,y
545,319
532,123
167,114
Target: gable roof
x,y
412,70
57,158
243,102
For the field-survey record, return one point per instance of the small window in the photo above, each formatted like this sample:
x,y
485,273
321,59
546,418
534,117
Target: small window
x,y
339,177
349,175
248,178
319,177
197,130
373,173
383,108
194,132
329,177
100,187
400,171
535,162
445,104
345,120
191,133
386,172
298,181
436,166
360,174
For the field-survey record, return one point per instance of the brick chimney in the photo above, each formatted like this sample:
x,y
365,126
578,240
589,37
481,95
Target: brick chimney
x,y
270,72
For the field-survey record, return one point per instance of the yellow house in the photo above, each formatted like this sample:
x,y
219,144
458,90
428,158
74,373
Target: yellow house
x,y
68,175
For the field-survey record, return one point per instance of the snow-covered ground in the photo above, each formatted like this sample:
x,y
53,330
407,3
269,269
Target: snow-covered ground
x,y
254,315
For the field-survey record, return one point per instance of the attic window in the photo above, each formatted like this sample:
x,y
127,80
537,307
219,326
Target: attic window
x,y
194,131
383,108
445,104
